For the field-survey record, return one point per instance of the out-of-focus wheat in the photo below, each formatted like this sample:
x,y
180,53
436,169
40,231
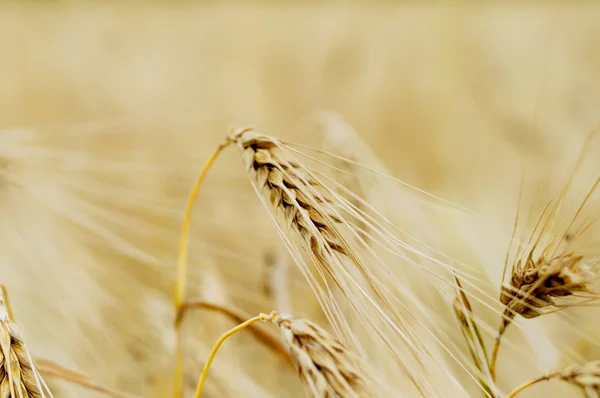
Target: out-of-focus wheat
x,y
586,377
19,376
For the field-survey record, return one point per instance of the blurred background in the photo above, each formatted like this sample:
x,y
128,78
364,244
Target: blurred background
x,y
108,110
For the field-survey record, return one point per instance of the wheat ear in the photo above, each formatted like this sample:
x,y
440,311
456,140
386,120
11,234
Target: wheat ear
x,y
540,279
325,366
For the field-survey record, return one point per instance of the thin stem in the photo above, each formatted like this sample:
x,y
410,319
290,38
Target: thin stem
x,y
185,228
182,266
528,384
261,317
238,316
507,318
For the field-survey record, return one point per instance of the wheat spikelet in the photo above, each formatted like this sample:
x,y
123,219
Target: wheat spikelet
x,y
19,377
324,364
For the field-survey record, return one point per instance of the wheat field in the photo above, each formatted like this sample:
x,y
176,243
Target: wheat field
x,y
108,111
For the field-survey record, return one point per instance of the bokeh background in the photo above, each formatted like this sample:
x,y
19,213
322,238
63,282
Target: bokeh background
x,y
108,109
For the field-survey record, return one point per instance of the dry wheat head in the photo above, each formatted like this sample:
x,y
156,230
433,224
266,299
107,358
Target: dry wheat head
x,y
535,285
288,185
324,364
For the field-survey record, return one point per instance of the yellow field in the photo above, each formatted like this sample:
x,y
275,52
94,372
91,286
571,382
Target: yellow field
x,y
108,110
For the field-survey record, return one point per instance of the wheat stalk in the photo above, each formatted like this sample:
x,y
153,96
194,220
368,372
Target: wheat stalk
x,y
472,335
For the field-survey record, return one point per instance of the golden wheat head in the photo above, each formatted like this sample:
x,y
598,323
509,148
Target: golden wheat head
x,y
291,190
324,364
